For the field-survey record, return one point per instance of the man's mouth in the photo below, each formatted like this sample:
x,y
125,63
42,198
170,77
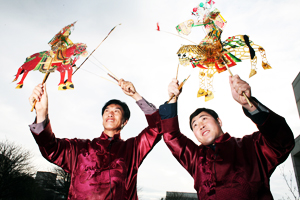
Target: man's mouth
x,y
110,120
205,132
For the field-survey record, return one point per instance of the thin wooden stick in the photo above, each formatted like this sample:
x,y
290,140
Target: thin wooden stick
x,y
113,77
177,71
247,99
178,36
179,87
93,52
44,81
95,49
118,81
100,76
177,76
107,70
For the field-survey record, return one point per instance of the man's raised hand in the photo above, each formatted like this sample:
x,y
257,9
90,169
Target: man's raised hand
x,y
39,94
173,90
238,86
129,89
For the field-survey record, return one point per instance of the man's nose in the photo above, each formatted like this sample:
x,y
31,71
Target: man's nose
x,y
202,126
111,113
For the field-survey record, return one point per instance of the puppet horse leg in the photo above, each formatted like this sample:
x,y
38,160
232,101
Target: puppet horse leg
x,y
20,84
202,77
253,66
209,81
69,83
206,79
62,85
265,63
20,71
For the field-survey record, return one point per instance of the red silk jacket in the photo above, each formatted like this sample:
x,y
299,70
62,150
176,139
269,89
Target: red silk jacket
x,y
238,168
101,168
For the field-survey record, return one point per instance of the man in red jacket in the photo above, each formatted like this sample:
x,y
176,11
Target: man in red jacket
x,y
225,167
105,167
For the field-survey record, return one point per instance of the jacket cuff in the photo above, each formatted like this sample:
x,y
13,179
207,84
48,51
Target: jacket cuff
x,y
167,111
146,107
260,115
45,136
37,128
270,126
153,119
170,125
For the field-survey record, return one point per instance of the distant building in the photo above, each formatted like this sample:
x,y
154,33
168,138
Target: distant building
x,y
296,151
296,87
181,196
46,181
50,186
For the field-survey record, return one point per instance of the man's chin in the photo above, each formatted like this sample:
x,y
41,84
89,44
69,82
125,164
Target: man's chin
x,y
208,142
112,128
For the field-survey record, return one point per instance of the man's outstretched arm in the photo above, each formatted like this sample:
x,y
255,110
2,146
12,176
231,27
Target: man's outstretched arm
x,y
182,148
145,141
275,140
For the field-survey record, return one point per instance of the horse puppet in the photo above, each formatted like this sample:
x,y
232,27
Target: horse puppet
x,y
212,55
61,60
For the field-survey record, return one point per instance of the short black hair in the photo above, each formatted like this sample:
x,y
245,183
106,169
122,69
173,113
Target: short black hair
x,y
200,110
124,106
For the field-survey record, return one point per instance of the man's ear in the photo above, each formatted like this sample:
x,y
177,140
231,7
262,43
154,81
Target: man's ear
x,y
220,122
124,123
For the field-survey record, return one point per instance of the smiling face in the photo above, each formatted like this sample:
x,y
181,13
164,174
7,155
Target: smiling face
x,y
113,119
206,128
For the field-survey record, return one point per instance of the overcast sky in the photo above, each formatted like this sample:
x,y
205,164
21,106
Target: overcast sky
x,y
137,52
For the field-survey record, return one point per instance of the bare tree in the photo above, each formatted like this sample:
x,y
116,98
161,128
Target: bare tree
x,y
16,173
289,182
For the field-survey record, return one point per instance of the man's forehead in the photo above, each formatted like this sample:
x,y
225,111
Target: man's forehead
x,y
202,114
114,106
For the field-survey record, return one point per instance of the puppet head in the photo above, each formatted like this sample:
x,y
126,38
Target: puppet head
x,y
80,49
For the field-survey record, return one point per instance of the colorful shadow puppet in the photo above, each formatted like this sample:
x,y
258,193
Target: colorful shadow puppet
x,y
212,55
62,57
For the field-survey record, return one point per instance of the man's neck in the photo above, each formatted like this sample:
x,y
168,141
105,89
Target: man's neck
x,y
111,133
